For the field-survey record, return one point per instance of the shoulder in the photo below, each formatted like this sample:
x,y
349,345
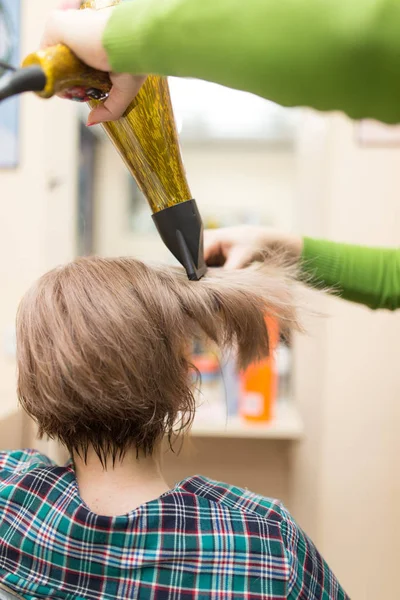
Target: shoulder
x,y
20,462
30,474
235,499
270,532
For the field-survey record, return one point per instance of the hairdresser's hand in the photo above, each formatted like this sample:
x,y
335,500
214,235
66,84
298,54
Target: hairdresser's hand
x,y
237,247
82,31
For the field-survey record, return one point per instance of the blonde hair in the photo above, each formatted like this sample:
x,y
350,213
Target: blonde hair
x,y
102,345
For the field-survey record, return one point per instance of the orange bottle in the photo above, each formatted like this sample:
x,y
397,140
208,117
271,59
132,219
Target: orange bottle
x,y
259,383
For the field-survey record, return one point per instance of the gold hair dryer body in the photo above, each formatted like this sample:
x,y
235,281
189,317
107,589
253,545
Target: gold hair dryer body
x,y
146,138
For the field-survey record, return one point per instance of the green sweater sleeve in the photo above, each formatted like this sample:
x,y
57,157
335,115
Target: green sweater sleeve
x,y
326,54
369,276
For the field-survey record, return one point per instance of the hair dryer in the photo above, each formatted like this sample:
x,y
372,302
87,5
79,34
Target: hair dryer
x,y
146,138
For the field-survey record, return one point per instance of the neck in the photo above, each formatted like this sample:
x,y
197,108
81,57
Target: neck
x,y
121,488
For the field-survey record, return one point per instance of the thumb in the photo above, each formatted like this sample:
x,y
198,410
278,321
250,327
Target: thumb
x,y
238,258
124,90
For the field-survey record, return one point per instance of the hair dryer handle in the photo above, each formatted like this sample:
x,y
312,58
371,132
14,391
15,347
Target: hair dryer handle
x,y
67,76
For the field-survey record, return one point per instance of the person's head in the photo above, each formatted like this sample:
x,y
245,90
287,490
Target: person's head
x,y
102,346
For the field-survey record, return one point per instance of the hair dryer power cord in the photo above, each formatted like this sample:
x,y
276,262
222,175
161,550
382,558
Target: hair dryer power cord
x,y
29,79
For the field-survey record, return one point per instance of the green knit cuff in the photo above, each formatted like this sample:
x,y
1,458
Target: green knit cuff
x,y
320,262
124,37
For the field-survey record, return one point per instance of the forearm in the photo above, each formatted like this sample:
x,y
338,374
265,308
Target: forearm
x,y
369,276
331,54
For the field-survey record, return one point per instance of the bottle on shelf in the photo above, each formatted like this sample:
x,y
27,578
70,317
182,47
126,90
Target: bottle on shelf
x,y
284,369
209,394
231,383
259,383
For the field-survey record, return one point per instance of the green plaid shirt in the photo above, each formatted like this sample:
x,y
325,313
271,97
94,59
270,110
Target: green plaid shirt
x,y
200,541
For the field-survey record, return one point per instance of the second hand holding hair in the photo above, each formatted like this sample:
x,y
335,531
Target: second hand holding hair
x,y
238,247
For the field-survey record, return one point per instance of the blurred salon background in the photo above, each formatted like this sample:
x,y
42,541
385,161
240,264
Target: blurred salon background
x,y
317,425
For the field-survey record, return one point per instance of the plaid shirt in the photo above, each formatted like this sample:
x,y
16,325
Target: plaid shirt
x,y
200,541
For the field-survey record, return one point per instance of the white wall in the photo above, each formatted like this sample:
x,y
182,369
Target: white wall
x,y
229,184
347,470
238,184
37,207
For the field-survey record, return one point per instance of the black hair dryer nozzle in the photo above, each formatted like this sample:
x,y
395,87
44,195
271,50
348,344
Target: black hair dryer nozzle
x,y
181,229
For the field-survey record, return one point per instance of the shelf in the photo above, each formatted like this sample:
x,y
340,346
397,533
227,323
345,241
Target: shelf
x,y
287,425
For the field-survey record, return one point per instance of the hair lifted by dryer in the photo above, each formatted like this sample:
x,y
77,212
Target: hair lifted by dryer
x,y
103,345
